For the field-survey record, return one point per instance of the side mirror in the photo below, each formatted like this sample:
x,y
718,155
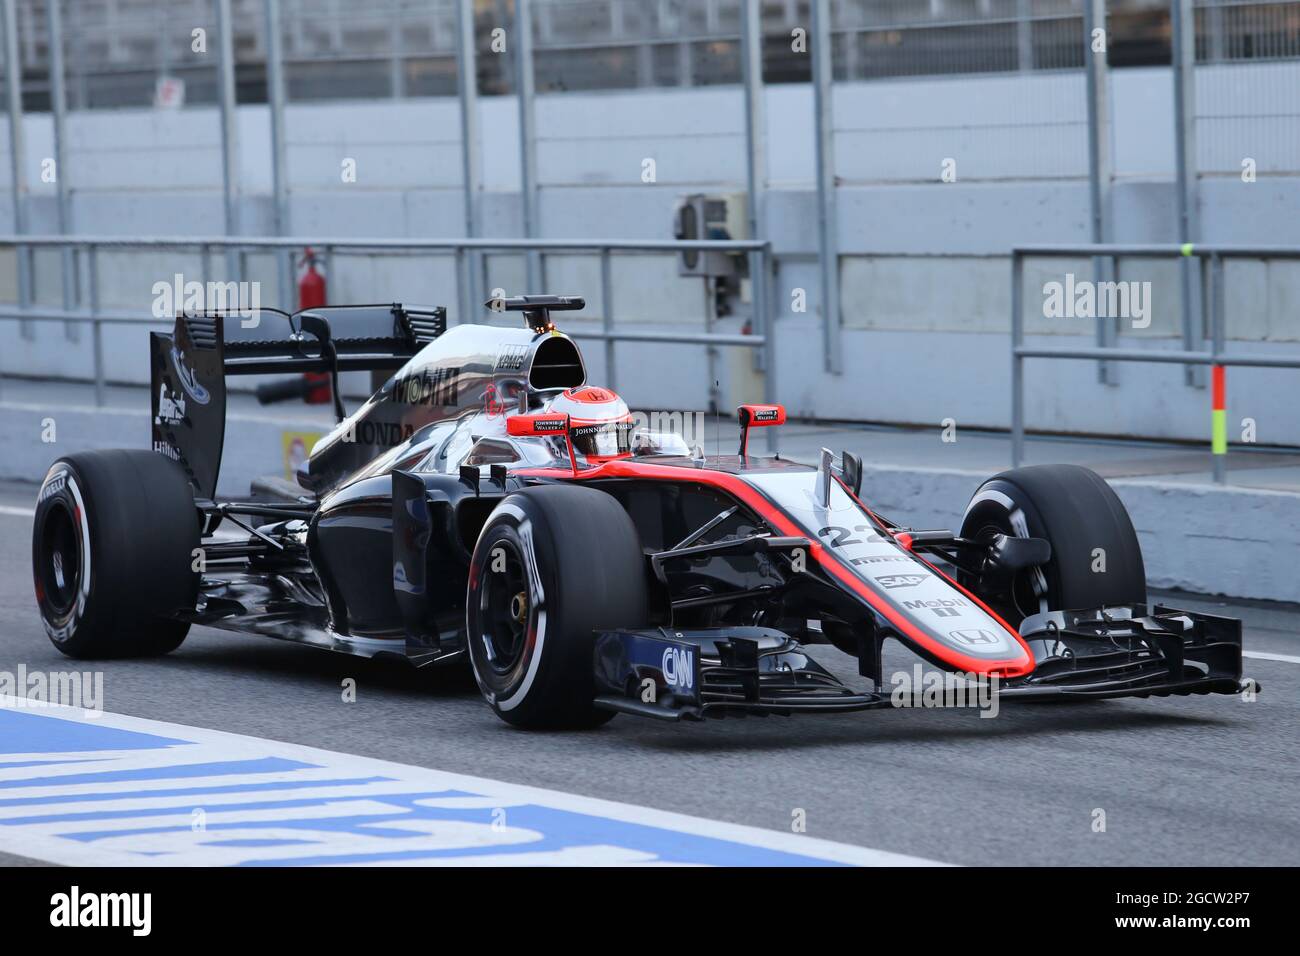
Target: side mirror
x,y
531,426
851,471
542,424
757,416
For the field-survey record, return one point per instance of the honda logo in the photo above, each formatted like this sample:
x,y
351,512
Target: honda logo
x,y
973,636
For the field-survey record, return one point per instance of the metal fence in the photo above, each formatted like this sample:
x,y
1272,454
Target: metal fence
x,y
470,260
262,47
1217,357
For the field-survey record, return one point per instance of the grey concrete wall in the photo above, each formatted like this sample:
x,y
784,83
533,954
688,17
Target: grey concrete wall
x,y
925,276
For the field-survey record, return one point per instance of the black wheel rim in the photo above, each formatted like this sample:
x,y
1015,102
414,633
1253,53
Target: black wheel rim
x,y
59,569
504,608
1020,599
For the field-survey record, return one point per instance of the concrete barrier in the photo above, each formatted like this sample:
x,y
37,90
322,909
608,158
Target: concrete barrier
x,y
1210,539
254,446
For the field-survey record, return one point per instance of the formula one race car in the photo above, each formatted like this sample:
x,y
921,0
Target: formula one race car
x,y
487,503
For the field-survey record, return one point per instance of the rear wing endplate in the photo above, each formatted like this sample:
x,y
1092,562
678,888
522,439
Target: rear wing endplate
x,y
188,366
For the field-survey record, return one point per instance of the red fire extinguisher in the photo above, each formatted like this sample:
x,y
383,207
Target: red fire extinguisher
x,y
311,295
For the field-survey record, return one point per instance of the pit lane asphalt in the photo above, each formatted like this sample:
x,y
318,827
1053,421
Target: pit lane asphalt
x,y
1183,781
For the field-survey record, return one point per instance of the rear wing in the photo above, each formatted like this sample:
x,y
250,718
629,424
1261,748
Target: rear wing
x,y
189,365
364,338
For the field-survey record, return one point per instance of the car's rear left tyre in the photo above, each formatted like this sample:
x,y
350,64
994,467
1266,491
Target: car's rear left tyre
x,y
1096,559
552,564
113,544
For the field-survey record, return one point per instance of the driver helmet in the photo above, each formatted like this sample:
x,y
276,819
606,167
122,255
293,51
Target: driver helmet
x,y
600,426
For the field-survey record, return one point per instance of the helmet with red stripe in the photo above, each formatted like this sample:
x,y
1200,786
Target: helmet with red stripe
x,y
600,425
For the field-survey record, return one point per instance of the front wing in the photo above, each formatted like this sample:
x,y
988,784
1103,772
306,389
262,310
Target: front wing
x,y
1110,652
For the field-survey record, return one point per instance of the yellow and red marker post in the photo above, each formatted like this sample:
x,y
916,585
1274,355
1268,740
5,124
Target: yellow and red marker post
x,y
1218,418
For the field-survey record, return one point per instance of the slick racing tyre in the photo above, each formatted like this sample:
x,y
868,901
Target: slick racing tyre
x,y
112,552
552,564
1095,559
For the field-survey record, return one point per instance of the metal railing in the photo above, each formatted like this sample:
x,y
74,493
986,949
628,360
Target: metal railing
x,y
470,259
1216,357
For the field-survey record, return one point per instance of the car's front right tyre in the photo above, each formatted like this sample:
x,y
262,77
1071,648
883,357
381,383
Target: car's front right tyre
x,y
553,564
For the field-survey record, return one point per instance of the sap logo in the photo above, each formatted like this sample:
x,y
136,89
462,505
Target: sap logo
x,y
678,667
188,379
132,910
973,636
171,410
892,581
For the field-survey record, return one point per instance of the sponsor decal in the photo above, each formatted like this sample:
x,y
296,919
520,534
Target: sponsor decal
x,y
765,415
381,433
511,358
678,667
53,487
549,424
602,428
428,386
189,381
882,559
893,581
973,636
934,603
168,450
171,409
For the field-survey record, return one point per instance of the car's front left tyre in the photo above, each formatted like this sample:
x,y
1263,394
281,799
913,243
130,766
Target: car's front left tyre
x,y
552,565
113,544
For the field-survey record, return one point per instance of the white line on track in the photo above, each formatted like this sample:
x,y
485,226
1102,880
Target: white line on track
x,y
1265,656
17,512
108,789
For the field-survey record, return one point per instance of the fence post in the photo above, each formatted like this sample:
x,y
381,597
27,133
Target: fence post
x,y
764,301
58,114
1017,362
607,319
96,327
1183,25
279,197
524,93
1094,18
471,166
824,146
17,157
229,131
